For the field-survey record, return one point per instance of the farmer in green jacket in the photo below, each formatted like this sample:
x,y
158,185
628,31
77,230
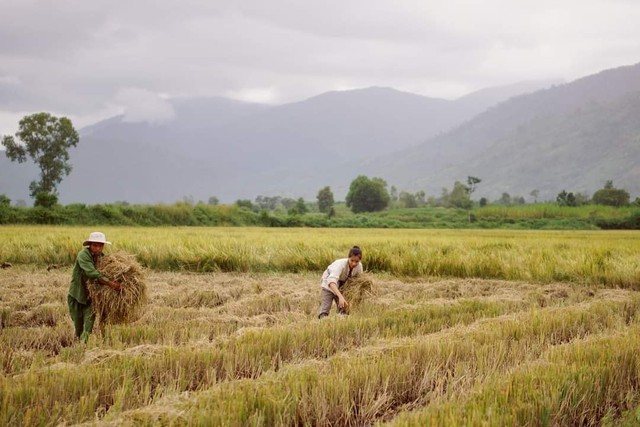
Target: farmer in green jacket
x,y
85,269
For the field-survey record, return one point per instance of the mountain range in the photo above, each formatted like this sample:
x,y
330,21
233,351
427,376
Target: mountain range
x,y
545,136
575,136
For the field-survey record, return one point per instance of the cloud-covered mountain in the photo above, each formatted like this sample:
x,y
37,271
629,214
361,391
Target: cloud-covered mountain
x,y
231,150
574,136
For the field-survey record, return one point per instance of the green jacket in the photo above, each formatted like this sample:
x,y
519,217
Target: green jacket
x,y
83,270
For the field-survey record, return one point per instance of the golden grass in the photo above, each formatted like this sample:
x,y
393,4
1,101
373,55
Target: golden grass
x,y
247,349
587,257
124,305
237,340
359,289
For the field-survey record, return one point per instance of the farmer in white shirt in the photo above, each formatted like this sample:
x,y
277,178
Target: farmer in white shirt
x,y
334,277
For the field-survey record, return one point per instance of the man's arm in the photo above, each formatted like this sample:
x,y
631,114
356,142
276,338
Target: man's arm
x,y
110,283
86,263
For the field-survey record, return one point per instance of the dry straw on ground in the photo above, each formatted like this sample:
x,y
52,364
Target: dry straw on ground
x,y
357,289
125,305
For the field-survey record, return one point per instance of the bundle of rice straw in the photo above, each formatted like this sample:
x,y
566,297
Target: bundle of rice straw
x,y
357,289
125,305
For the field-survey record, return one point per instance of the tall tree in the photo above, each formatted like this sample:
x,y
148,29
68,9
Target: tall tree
x,y
609,195
407,199
268,203
459,196
46,139
393,193
325,200
367,195
505,199
245,203
472,183
534,194
300,208
566,199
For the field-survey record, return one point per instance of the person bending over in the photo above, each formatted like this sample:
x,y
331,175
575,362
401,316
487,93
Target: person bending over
x,y
334,277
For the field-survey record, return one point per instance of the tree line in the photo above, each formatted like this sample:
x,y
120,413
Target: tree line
x,y
46,139
371,195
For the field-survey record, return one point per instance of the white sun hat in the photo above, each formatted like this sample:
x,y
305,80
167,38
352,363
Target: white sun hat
x,y
96,237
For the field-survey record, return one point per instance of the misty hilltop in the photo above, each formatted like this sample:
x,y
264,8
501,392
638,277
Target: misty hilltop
x,y
574,136
545,136
231,149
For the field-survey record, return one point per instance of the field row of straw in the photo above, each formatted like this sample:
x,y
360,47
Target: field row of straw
x,y
595,257
232,349
246,348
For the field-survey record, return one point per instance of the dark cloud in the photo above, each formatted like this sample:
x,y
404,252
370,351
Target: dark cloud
x,y
77,57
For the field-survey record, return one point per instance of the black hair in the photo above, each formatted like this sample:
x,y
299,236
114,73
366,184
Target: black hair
x,y
355,251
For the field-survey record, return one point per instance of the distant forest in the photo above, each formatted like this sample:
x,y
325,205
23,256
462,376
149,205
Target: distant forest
x,y
368,205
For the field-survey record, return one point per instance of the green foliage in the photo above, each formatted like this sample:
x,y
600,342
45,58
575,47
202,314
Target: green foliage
x,y
5,210
459,196
631,222
539,216
46,139
408,200
367,195
472,183
287,203
611,196
46,200
325,200
505,199
300,208
268,203
42,215
550,211
534,194
245,203
566,199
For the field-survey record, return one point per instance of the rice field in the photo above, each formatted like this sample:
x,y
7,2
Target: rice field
x,y
608,258
469,328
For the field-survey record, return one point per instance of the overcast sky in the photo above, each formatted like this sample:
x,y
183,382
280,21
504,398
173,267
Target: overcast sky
x,y
90,59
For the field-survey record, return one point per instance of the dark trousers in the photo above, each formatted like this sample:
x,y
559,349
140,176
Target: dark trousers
x,y
82,316
326,301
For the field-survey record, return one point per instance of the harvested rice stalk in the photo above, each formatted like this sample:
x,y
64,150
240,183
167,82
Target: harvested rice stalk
x,y
357,289
125,305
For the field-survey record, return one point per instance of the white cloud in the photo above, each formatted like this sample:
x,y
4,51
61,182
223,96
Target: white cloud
x,y
266,95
